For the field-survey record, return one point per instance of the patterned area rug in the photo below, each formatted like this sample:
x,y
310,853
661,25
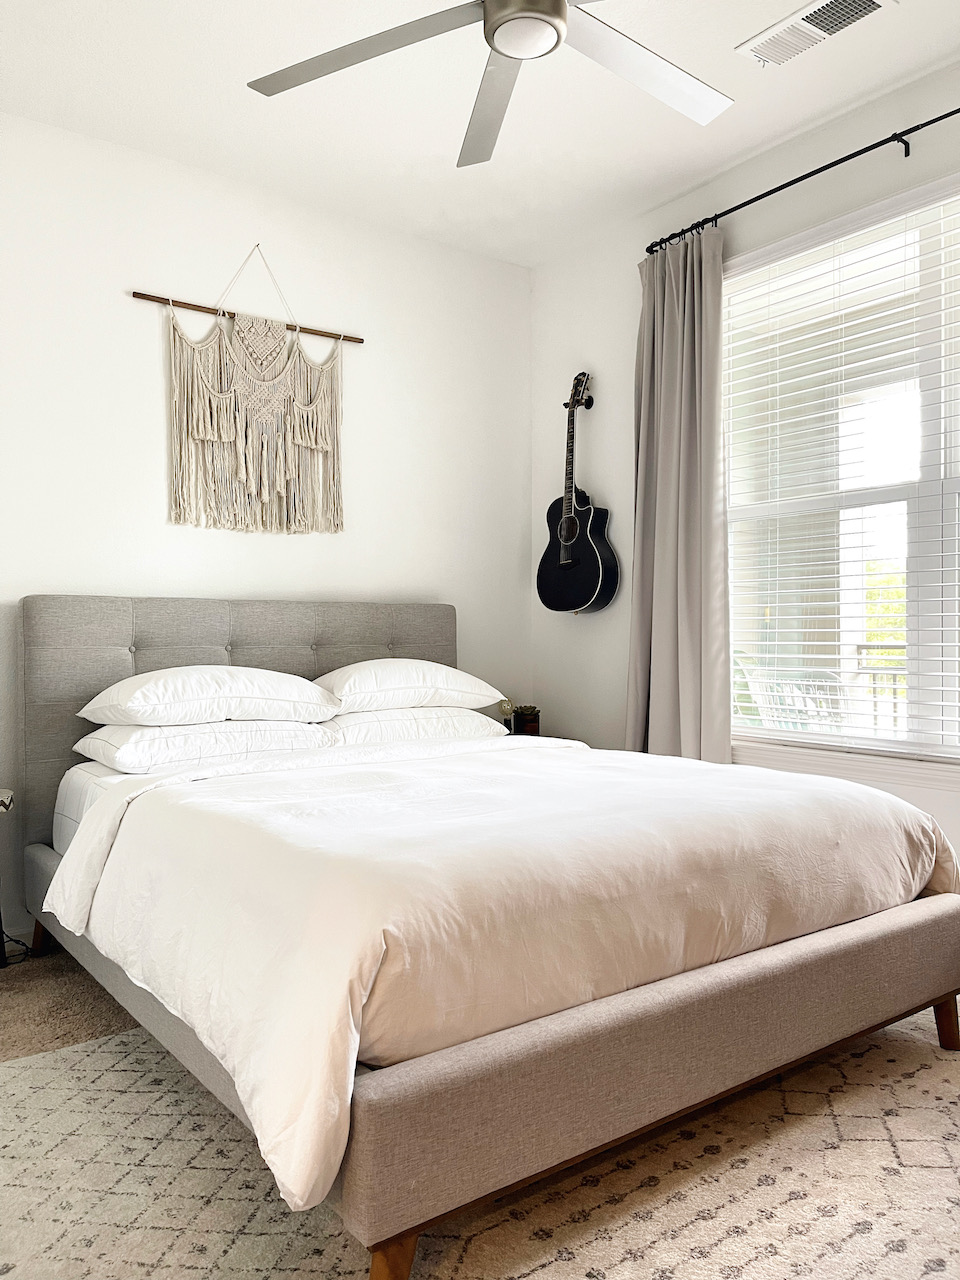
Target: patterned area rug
x,y
115,1164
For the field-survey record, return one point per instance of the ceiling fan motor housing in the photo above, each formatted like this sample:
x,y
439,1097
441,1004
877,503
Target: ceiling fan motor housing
x,y
524,29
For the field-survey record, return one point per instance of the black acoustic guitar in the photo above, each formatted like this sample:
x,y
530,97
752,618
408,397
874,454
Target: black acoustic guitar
x,y
578,571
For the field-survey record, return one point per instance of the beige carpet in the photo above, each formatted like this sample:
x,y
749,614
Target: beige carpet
x,y
115,1164
49,1002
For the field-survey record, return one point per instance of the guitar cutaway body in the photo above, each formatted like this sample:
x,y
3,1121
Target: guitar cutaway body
x,y
579,571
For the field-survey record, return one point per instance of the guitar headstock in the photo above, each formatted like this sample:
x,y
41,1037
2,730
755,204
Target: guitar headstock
x,y
578,393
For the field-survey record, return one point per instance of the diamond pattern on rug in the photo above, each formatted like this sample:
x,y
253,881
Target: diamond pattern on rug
x,y
115,1163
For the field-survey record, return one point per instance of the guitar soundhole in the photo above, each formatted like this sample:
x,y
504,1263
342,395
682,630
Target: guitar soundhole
x,y
569,528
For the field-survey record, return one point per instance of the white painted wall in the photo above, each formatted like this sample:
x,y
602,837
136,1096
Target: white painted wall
x,y
436,447
586,309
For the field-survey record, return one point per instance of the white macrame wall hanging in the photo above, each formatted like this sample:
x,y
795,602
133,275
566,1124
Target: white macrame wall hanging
x,y
256,427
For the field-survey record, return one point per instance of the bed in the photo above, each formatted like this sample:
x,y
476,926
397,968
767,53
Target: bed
x,y
539,1094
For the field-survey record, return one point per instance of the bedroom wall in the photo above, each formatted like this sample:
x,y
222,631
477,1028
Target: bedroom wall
x,y
436,446
586,309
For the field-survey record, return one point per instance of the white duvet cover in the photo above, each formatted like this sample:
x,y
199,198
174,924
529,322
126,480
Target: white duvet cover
x,y
381,903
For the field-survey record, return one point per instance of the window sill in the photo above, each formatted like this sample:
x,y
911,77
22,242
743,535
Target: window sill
x,y
872,767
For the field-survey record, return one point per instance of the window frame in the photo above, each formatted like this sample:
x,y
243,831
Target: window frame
x,y
943,445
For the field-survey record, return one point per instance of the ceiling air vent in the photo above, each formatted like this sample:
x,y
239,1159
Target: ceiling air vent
x,y
806,28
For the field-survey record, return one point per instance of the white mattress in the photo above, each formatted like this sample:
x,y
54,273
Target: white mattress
x,y
79,788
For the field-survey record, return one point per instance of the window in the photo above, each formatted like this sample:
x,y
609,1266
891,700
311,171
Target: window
x,y
842,434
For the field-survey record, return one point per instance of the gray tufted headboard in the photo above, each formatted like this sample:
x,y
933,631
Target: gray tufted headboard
x,y
74,646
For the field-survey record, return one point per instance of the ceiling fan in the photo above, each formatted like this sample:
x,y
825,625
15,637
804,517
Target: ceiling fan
x,y
516,31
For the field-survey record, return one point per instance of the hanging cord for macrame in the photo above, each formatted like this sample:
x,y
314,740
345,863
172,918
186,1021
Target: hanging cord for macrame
x,y
233,279
280,293
236,276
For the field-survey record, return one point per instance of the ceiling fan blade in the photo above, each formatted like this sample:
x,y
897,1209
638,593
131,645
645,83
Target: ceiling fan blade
x,y
435,24
499,77
644,68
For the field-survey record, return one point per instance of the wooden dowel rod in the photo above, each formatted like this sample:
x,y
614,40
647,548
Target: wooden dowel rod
x,y
212,311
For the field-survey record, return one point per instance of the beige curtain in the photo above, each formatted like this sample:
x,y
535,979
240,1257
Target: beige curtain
x,y
678,698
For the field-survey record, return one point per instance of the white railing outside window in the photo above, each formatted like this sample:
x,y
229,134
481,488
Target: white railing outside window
x,y
842,435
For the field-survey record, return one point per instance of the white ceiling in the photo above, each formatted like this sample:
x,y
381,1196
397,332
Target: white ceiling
x,y
380,141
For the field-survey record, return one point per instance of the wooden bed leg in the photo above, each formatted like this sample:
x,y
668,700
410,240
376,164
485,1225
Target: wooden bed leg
x,y
948,1028
393,1259
41,940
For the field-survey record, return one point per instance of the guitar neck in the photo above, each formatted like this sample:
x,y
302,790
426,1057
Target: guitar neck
x,y
568,470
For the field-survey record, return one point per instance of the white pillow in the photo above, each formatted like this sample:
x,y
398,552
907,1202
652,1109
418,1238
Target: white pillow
x,y
414,724
148,748
204,695
383,683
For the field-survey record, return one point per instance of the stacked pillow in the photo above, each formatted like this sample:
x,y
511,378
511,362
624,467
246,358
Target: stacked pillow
x,y
186,717
205,695
385,683
414,724
408,700
158,748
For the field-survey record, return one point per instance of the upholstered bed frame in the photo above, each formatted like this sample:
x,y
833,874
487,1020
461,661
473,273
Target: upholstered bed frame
x,y
439,1132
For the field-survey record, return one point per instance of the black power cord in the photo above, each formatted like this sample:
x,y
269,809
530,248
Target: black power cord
x,y
17,958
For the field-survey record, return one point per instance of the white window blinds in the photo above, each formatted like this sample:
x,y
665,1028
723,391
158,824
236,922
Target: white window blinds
x,y
842,431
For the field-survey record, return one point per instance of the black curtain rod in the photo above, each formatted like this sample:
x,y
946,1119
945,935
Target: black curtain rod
x,y
696,227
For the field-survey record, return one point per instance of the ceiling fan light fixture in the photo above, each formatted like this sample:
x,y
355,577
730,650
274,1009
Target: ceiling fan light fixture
x,y
524,29
525,38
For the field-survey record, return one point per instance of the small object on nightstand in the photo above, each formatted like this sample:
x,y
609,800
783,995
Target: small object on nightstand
x,y
506,710
527,720
6,804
